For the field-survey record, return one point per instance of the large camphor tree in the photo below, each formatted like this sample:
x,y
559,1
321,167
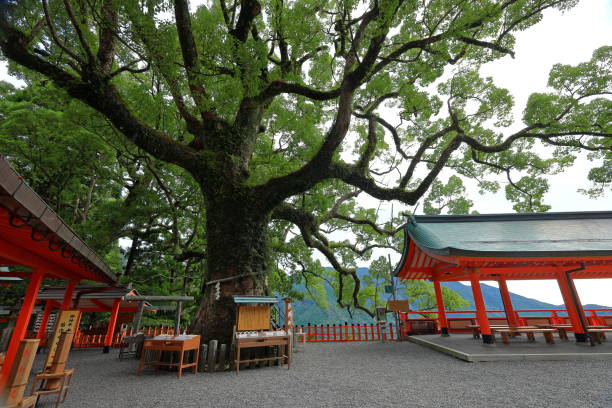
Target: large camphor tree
x,y
264,102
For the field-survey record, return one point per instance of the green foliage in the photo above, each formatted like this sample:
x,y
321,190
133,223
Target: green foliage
x,y
449,197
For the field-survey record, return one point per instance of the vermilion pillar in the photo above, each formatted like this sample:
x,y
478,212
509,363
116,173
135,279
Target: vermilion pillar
x,y
441,312
481,311
108,341
68,295
42,330
508,308
573,306
21,324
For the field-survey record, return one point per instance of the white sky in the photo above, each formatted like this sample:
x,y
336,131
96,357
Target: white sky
x,y
566,38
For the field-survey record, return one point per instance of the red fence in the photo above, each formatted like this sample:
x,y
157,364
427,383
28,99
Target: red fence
x,y
346,332
82,339
374,332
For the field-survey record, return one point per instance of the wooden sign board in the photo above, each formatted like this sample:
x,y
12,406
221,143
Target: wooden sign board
x,y
20,371
398,306
253,318
67,321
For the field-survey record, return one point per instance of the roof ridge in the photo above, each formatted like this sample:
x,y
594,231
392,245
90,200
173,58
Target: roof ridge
x,y
545,216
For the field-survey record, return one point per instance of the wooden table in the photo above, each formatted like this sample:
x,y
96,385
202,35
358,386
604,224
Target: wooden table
x,y
529,331
179,344
283,341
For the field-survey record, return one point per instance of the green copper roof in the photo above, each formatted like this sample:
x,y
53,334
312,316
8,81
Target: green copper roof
x,y
514,235
255,299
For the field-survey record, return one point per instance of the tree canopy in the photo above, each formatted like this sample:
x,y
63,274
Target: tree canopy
x,y
283,112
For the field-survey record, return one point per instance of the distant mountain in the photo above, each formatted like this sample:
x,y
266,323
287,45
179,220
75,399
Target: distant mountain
x,y
307,311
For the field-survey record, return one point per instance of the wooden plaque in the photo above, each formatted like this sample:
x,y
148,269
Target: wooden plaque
x,y
398,306
253,318
20,371
67,321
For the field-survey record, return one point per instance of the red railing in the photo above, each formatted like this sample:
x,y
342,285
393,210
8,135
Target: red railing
x,y
459,324
373,332
82,339
345,332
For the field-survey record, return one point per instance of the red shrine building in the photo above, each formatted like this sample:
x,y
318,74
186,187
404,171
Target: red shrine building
x,y
562,246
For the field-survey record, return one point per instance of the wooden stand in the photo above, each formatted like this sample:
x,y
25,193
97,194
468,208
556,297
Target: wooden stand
x,y
176,344
55,379
264,341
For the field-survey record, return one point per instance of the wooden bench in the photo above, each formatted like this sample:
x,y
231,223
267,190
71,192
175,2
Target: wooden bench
x,y
505,333
597,334
476,329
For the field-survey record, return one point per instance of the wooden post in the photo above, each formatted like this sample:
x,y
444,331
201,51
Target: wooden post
x,y
573,306
212,355
222,357
21,325
177,319
441,311
507,301
42,330
203,358
481,312
108,341
68,296
138,317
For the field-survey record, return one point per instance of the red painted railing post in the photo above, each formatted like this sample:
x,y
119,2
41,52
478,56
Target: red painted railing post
x,y
346,331
391,331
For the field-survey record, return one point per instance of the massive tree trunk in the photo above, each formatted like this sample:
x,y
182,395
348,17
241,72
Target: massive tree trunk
x,y
236,260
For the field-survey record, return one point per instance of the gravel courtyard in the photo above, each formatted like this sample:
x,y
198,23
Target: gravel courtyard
x,y
368,374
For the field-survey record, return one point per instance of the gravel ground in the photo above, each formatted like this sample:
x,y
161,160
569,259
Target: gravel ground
x,y
368,374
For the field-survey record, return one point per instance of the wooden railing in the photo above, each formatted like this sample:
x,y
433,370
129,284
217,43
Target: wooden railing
x,y
345,332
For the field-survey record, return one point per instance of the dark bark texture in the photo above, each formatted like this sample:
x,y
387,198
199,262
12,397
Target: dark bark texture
x,y
236,257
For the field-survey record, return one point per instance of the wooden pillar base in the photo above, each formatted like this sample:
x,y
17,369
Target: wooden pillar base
x,y
106,349
488,338
444,332
581,337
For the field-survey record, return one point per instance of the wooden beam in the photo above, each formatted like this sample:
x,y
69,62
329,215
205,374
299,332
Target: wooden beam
x,y
24,257
160,298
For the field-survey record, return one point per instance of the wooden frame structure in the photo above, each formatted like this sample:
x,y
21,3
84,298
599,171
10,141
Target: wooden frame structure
x,y
180,344
34,236
502,247
253,329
